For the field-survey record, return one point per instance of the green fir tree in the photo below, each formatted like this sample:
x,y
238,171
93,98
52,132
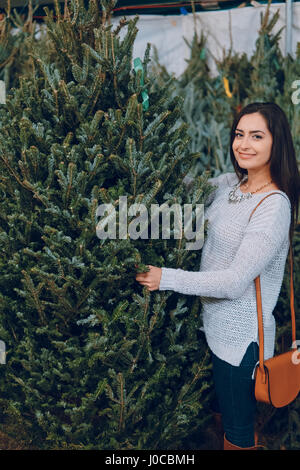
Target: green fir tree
x,y
95,361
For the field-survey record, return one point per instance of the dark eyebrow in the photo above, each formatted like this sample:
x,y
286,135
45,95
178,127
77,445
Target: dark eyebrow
x,y
251,132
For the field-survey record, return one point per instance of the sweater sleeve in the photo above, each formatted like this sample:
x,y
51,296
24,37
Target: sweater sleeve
x,y
267,230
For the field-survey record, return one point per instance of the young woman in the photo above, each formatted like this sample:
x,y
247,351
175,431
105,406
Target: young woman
x,y
235,252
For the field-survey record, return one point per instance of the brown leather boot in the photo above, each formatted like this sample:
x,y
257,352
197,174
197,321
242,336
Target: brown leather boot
x,y
229,446
218,426
217,417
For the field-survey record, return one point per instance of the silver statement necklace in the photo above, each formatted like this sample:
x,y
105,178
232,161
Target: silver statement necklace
x,y
234,197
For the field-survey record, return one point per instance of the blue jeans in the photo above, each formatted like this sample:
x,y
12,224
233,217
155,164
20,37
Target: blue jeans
x,y
234,388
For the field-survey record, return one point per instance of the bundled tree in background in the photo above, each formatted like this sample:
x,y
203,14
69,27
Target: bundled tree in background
x,y
18,36
93,359
267,75
205,110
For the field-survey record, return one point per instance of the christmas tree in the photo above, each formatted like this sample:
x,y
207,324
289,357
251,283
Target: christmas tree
x,y
93,359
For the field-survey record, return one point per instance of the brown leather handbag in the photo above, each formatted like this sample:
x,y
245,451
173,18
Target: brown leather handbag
x,y
277,380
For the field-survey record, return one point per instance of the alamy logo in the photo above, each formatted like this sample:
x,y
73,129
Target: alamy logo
x,y
2,92
2,352
296,354
139,226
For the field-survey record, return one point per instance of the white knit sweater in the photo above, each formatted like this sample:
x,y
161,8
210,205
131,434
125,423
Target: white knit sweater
x,y
234,253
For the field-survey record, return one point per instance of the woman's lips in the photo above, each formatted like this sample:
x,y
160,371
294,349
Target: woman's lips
x,y
246,155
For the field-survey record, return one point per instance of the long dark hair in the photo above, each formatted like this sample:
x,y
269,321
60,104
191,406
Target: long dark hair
x,y
283,164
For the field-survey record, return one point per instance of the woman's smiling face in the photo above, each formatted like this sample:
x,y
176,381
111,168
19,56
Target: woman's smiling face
x,y
252,144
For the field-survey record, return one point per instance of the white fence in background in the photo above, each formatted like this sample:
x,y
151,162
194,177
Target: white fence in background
x,y
237,27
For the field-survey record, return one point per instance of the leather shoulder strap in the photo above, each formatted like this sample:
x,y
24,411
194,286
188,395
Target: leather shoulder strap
x,y
259,301
281,194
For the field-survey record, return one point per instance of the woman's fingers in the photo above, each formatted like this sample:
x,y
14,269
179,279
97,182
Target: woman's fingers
x,y
150,279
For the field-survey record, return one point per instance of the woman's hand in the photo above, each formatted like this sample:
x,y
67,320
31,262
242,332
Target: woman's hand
x,y
150,279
